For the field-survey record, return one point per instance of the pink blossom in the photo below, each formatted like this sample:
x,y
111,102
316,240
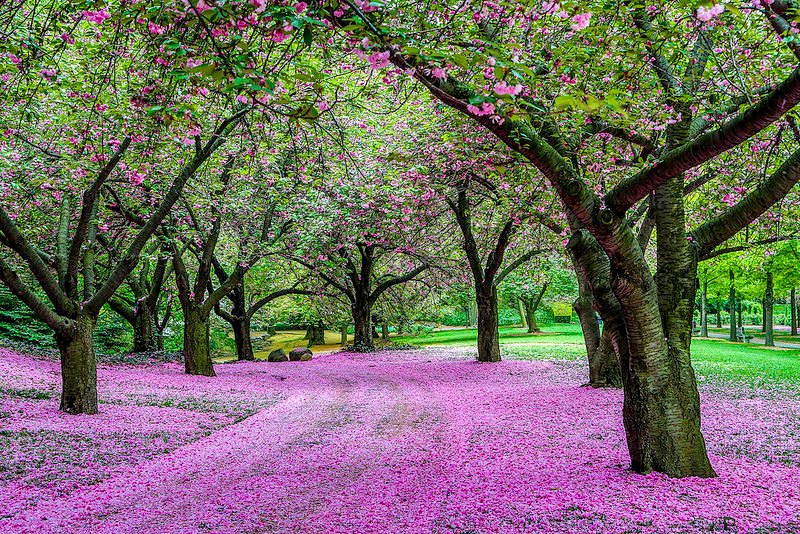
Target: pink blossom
x,y
580,21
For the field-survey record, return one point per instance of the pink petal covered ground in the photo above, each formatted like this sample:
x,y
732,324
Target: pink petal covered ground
x,y
412,441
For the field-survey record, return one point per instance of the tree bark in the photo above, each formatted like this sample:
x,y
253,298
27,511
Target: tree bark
x,y
362,319
763,315
343,332
384,332
316,335
241,335
488,324
719,315
144,329
78,368
732,308
530,318
739,323
600,353
769,302
704,310
661,408
197,343
793,312
523,313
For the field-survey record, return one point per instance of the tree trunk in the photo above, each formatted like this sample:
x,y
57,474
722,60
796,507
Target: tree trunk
x,y
530,318
362,319
78,368
769,301
144,329
732,308
317,335
661,408
793,312
244,343
343,332
704,310
488,325
523,313
740,323
719,315
197,343
384,331
763,316
468,314
603,365
603,362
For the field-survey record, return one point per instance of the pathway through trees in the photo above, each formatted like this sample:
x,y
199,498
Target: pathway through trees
x,y
412,441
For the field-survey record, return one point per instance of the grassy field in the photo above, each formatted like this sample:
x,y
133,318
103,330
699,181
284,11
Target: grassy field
x,y
709,356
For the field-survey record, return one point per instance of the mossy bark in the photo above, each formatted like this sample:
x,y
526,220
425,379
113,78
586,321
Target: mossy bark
x,y
78,368
197,343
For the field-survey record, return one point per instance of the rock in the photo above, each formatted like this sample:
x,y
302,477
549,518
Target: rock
x,y
300,354
277,355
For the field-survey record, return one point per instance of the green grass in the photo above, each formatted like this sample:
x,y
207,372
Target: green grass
x,y
709,356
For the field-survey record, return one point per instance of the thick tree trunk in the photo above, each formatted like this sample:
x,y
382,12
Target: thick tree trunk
x,y
241,335
316,335
144,329
769,302
343,332
362,319
704,310
793,312
78,368
732,308
488,325
197,343
661,408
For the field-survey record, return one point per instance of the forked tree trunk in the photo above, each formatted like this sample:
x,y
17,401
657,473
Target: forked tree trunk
x,y
78,368
769,301
661,408
197,343
362,319
793,312
488,325
241,335
144,329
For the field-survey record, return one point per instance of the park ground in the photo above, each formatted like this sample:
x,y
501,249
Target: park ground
x,y
422,440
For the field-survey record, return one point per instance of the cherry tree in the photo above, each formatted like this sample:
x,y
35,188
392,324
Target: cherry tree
x,y
505,67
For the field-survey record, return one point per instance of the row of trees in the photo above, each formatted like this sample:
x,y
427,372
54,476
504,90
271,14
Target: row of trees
x,y
356,148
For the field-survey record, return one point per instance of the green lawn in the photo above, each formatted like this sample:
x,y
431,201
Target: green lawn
x,y
709,356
